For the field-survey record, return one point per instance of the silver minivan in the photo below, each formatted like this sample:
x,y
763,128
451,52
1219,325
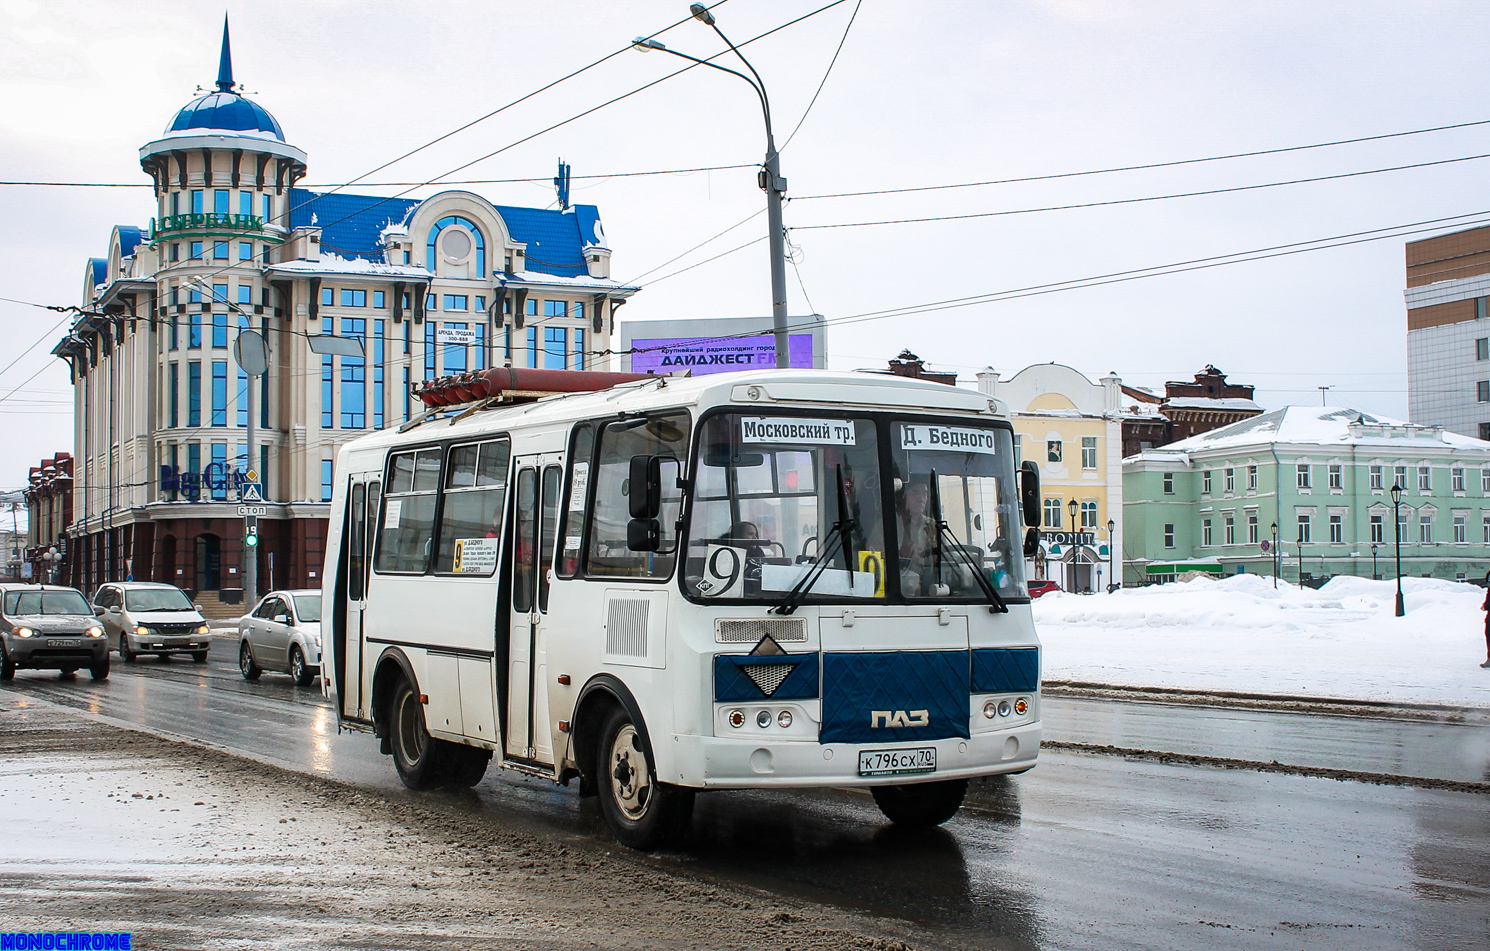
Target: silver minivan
x,y
143,617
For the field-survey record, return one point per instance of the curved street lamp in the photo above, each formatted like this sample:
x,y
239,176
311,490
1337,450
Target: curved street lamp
x,y
1397,531
770,178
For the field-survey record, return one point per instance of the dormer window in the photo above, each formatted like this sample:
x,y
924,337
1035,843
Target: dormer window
x,y
456,248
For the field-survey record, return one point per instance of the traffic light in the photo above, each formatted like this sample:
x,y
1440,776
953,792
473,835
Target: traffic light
x,y
251,531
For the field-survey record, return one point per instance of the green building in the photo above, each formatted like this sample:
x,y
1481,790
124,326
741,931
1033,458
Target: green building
x,y
1319,480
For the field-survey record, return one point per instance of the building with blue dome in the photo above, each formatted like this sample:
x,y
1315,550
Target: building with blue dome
x,y
433,286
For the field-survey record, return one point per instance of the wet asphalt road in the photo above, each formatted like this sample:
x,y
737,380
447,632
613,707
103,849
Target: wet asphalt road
x,y
1083,852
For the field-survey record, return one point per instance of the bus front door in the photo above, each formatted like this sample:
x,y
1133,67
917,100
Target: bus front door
x,y
361,528
535,519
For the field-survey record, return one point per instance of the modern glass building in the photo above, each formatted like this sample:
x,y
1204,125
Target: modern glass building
x,y
1306,492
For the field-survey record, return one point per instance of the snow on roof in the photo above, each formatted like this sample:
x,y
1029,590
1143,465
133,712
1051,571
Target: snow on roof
x,y
534,278
1208,402
336,264
1320,426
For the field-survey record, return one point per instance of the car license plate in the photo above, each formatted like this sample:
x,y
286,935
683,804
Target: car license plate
x,y
897,762
64,642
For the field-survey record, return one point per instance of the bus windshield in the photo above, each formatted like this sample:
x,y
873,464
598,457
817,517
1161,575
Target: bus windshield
x,y
766,507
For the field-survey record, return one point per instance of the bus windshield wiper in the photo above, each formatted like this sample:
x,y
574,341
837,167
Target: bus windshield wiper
x,y
842,533
996,603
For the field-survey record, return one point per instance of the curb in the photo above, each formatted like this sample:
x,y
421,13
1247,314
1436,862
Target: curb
x,y
1286,703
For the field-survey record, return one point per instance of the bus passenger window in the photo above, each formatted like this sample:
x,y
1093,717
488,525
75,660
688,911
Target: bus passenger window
x,y
471,523
553,478
408,518
578,495
609,556
522,566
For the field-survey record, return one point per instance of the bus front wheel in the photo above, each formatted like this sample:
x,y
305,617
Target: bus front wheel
x,y
416,754
642,812
921,805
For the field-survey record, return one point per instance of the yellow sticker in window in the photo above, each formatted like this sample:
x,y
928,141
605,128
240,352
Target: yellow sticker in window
x,y
873,562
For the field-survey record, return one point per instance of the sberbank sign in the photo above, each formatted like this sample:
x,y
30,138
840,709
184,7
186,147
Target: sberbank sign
x,y
196,222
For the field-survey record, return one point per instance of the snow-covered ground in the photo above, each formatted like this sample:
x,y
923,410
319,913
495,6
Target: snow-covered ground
x,y
1239,633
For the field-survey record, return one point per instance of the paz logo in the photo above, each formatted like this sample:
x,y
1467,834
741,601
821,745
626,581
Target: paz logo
x,y
898,718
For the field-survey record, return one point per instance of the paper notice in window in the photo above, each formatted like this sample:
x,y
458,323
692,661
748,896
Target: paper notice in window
x,y
948,439
791,429
475,556
391,514
580,486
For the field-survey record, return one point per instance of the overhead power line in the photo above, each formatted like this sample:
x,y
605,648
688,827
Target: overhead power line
x,y
826,73
1151,165
1134,201
467,181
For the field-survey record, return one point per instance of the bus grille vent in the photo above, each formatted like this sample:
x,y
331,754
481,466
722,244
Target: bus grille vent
x,y
784,630
768,677
626,627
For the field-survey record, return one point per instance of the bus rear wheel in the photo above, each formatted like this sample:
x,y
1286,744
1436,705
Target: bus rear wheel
x,y
642,812
921,805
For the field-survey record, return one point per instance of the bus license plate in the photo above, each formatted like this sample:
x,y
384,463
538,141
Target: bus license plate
x,y
897,762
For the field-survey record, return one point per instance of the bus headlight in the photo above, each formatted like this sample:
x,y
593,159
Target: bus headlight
x,y
737,718
1003,708
784,719
1021,706
763,719
990,709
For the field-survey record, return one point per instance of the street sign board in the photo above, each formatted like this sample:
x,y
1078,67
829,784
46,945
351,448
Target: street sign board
x,y
251,492
247,510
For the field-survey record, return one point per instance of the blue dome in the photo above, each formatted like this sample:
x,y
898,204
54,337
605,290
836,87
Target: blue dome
x,y
225,112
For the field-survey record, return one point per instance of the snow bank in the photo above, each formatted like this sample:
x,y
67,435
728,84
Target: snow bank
x,y
1240,633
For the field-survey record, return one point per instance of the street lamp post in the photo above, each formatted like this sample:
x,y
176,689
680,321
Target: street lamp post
x,y
51,556
1375,575
1397,531
1277,563
1074,509
770,178
1112,583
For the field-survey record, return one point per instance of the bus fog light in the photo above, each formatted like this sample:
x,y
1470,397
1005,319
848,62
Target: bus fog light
x,y
763,719
989,709
784,719
1021,706
737,718
1003,708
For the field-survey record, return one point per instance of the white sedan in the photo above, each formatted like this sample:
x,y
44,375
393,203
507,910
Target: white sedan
x,y
282,632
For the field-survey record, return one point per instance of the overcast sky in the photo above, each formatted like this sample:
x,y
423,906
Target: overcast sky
x,y
923,93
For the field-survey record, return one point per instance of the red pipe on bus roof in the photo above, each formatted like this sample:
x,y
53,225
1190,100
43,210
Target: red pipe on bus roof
x,y
460,388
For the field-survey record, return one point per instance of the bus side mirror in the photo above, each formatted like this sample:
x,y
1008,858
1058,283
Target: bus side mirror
x,y
1031,542
1029,492
644,491
644,534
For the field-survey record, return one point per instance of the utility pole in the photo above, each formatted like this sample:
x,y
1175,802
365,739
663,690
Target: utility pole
x,y
1323,390
253,359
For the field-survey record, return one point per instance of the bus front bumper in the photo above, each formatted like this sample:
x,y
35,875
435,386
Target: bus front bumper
x,y
711,762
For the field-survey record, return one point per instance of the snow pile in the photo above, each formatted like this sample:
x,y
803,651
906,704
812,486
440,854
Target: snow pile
x,y
1240,633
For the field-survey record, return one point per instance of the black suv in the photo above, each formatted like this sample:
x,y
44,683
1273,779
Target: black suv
x,y
48,627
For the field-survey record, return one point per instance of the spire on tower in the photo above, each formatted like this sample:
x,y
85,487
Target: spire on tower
x,y
225,62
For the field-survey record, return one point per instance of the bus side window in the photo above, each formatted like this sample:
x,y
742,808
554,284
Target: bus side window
x,y
475,486
578,495
408,522
356,541
523,540
553,478
609,556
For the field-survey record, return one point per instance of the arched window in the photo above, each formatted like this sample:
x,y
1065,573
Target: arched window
x,y
456,240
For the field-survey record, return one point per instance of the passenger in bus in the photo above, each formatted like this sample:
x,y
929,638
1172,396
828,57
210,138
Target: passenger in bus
x,y
917,533
746,535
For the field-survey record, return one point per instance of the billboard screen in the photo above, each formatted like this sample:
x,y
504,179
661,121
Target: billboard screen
x,y
716,354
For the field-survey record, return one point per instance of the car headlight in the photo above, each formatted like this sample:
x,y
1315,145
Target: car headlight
x,y
142,631
204,629
95,632
23,632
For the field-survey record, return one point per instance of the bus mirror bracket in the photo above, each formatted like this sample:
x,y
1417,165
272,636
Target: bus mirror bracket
x,y
1029,492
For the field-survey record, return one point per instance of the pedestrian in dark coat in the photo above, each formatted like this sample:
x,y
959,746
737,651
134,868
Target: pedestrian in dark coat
x,y
1486,608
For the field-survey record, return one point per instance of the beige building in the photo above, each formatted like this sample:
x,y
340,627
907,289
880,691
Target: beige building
x,y
446,284
1072,429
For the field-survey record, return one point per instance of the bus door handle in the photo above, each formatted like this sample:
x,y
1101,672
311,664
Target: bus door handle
x,y
533,618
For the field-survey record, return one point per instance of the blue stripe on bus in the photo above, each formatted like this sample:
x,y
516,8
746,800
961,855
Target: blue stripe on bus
x,y
875,697
732,684
1006,670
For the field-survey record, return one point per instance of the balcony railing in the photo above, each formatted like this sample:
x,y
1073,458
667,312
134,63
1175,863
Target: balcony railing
x,y
173,224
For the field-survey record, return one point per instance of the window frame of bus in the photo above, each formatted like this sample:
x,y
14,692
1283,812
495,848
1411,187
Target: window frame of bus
x,y
388,480
885,452
446,473
1016,542
589,427
827,493
599,424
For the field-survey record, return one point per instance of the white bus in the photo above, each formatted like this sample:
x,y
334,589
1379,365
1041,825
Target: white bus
x,y
760,579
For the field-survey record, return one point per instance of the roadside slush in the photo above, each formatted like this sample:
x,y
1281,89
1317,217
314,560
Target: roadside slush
x,y
109,829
